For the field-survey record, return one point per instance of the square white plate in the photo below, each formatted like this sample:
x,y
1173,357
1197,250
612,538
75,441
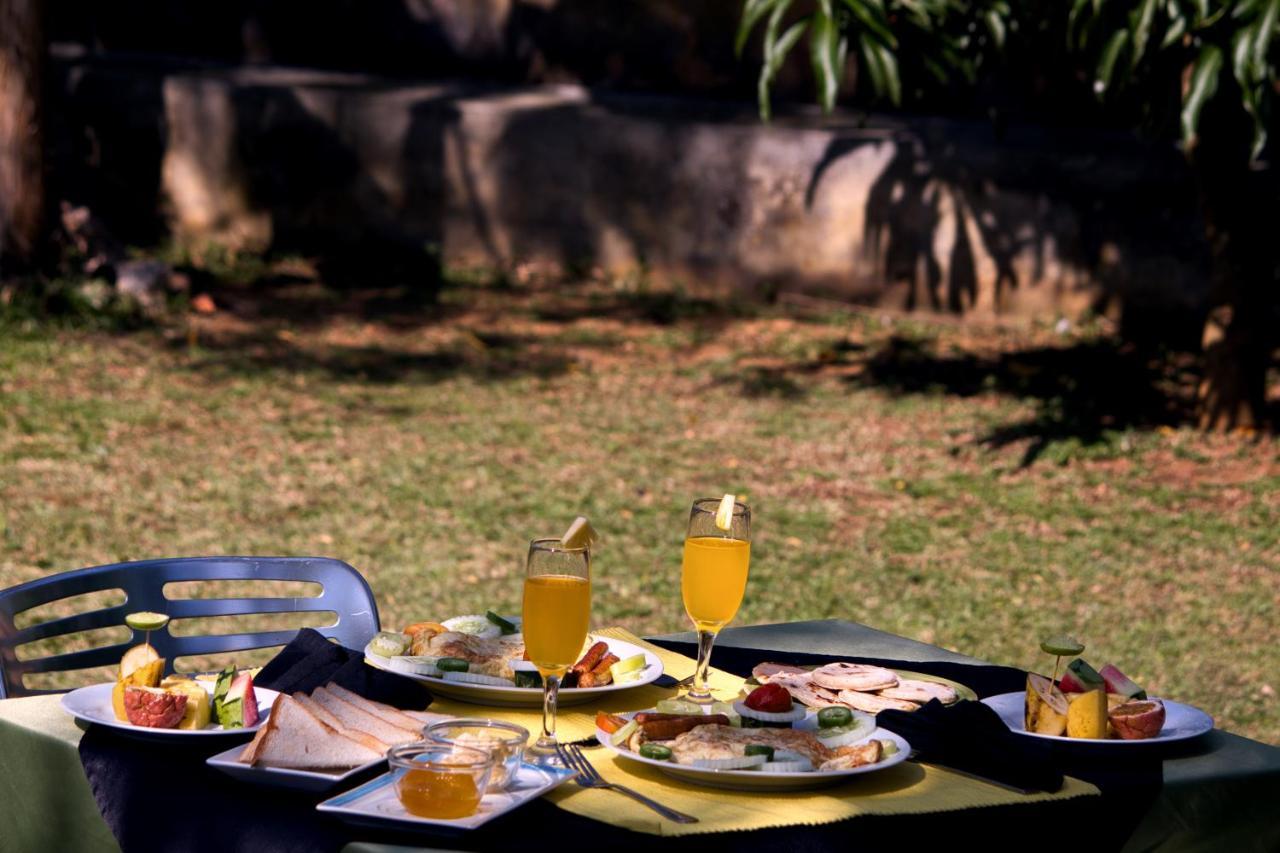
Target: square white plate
x,y
375,803
283,777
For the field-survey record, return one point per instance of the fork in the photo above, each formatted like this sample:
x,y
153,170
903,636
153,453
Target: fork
x,y
589,777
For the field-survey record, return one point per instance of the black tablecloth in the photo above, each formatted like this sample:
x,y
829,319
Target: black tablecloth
x,y
164,797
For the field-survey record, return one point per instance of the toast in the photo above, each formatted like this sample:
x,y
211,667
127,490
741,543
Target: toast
x,y
325,716
394,716
294,737
354,717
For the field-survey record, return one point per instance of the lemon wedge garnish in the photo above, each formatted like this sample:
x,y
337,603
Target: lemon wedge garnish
x,y
146,621
580,534
724,515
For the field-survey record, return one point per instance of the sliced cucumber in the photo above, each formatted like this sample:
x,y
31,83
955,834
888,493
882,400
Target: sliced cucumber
x,y
525,678
1062,645
834,716
504,625
415,665
735,719
760,749
656,751
729,763
453,665
621,736
476,625
387,644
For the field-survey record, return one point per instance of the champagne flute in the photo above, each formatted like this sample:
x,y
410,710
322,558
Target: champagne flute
x,y
713,578
557,609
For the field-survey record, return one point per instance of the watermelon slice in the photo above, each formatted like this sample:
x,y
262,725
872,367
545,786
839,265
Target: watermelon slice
x,y
1118,682
1080,678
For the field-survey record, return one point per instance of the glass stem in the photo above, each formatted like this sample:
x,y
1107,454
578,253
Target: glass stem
x,y
550,692
700,692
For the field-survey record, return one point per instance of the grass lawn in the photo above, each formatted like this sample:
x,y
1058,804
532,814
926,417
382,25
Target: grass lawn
x,y
977,488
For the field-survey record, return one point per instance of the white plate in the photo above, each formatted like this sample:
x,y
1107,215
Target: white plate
x,y
375,803
1181,722
531,697
92,704
758,780
283,777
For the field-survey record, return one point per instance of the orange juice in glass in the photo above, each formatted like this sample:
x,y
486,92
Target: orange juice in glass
x,y
713,579
556,613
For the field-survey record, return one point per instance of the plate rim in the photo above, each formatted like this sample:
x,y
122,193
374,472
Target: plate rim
x,y
265,695
1203,717
345,812
227,765
787,780
585,693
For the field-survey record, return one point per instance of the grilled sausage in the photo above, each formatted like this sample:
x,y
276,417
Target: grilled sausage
x,y
591,658
600,675
668,726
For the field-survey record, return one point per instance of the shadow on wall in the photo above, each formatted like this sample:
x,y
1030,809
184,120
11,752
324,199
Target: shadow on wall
x,y
966,223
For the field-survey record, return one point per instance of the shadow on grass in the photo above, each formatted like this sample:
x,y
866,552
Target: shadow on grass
x,y
1085,394
258,354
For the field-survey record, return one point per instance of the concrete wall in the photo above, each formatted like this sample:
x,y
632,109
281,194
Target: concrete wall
x,y
925,214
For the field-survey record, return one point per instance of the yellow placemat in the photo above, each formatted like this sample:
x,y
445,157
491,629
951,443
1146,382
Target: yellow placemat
x,y
578,722
909,788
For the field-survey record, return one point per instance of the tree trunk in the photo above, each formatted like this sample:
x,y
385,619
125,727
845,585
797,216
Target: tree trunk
x,y
1240,332
22,208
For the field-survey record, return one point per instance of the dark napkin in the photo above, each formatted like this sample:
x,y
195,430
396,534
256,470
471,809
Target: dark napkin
x,y
160,795
971,738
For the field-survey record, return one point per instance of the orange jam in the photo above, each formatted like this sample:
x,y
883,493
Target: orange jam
x,y
439,793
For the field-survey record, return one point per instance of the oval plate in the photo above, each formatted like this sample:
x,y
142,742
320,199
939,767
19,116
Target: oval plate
x,y
1181,722
92,704
531,697
757,780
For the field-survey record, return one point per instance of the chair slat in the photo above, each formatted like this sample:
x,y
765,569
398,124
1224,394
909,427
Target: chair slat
x,y
106,618
188,646
190,608
101,656
345,592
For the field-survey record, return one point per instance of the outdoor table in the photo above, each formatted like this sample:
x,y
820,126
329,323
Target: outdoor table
x,y
1216,794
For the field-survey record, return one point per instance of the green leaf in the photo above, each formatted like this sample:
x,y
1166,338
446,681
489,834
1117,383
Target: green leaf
x,y
1177,27
1241,63
775,54
871,16
995,25
882,65
825,53
1266,32
1204,83
1107,63
1074,16
1140,22
752,12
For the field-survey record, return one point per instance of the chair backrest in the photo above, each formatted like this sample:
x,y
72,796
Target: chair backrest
x,y
344,591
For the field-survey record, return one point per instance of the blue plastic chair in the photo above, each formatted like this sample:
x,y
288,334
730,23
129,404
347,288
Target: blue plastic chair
x,y
345,592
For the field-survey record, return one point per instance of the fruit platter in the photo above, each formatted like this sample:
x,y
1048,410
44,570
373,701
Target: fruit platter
x,y
143,701
762,741
481,659
1094,706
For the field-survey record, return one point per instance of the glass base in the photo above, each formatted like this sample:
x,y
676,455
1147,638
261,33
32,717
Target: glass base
x,y
543,753
704,698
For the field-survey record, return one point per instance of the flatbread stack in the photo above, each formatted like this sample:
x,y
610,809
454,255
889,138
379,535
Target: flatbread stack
x,y
331,729
859,686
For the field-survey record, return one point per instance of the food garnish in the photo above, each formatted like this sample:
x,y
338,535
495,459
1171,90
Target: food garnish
x,y
656,751
1137,720
235,705
770,698
1080,678
473,624
724,513
834,716
153,707
609,723
506,626
1087,703
1058,647
146,621
1118,682
388,644
579,535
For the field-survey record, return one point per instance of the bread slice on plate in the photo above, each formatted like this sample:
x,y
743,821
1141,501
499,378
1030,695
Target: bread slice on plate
x,y
355,717
394,716
326,716
294,737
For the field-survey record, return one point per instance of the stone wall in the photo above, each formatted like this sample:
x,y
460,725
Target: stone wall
x,y
919,214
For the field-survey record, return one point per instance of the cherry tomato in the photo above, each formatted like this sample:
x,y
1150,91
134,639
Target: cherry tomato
x,y
770,698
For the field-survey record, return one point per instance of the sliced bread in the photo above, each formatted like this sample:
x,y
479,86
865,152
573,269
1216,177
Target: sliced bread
x,y
355,717
294,737
394,716
326,716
